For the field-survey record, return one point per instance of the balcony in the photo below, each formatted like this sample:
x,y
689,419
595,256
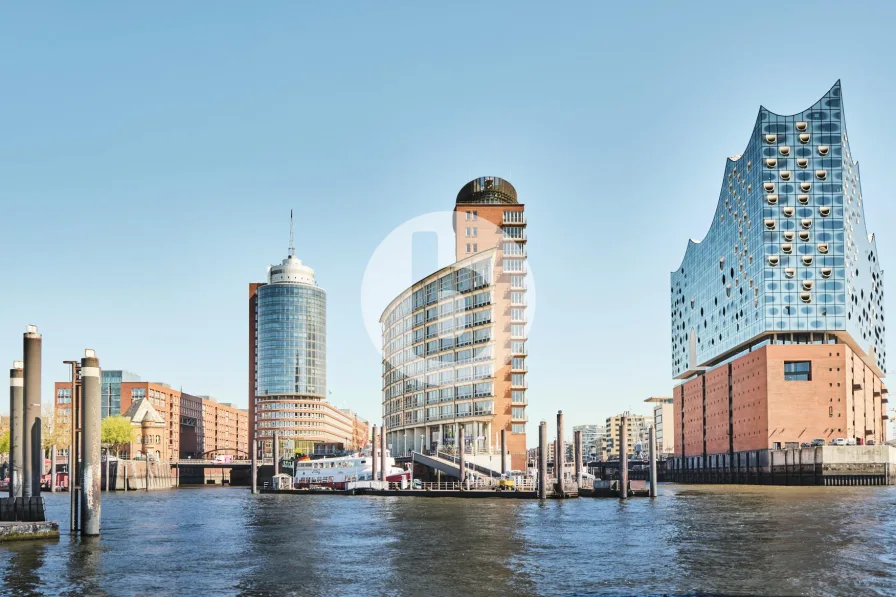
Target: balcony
x,y
516,218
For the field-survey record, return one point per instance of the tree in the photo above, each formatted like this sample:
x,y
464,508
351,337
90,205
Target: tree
x,y
117,432
48,425
4,443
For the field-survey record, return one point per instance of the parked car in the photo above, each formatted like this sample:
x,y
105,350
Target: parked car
x,y
851,441
818,442
805,445
838,441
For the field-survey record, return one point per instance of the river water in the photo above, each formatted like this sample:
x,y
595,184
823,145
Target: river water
x,y
692,540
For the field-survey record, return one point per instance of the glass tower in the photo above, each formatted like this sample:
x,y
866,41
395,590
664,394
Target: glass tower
x,y
290,353
788,258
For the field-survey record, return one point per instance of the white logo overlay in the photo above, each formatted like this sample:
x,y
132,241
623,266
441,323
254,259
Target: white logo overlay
x,y
389,272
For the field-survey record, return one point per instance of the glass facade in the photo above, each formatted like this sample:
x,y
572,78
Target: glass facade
x,y
111,390
788,250
439,352
292,340
291,361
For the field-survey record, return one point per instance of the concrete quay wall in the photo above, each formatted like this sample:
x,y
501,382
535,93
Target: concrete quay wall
x,y
21,531
822,465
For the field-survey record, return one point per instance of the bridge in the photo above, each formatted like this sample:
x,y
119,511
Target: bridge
x,y
211,463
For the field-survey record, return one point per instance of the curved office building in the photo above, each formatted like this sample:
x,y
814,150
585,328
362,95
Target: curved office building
x,y
454,343
288,363
777,314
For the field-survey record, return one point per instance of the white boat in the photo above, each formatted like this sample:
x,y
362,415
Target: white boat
x,y
337,471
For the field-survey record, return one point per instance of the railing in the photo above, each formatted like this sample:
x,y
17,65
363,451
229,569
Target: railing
x,y
204,461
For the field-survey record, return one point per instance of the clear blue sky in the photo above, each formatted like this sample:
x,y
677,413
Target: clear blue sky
x,y
150,153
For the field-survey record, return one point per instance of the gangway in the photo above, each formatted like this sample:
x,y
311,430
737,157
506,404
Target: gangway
x,y
447,466
484,470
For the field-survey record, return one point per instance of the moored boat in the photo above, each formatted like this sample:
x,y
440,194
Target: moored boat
x,y
335,472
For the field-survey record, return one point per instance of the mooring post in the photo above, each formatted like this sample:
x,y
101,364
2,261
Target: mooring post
x,y
17,428
503,451
577,447
74,418
653,486
90,440
462,463
32,455
373,450
254,466
383,471
543,460
53,469
560,456
276,450
623,459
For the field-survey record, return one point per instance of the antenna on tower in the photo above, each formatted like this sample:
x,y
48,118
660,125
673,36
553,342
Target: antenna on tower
x,y
292,246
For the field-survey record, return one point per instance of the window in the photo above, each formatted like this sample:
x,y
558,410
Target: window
x,y
797,371
475,231
475,246
475,215
467,232
513,217
518,428
513,265
468,214
518,412
518,396
468,247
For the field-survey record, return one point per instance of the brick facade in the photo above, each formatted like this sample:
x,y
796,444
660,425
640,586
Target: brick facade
x,y
843,398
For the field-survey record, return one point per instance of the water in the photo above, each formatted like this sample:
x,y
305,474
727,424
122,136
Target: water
x,y
718,540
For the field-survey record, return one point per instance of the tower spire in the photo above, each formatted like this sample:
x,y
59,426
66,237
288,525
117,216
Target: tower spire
x,y
292,246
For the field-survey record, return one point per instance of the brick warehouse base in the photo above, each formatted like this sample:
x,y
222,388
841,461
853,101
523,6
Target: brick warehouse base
x,y
823,465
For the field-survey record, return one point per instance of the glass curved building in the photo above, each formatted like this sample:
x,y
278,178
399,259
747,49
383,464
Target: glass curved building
x,y
785,284
454,343
288,363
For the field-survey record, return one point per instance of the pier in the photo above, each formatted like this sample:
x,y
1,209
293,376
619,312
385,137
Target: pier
x,y
820,465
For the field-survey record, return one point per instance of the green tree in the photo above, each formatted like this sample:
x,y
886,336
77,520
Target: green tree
x,y
4,442
117,432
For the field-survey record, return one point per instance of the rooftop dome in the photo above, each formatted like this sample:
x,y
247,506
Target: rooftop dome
x,y
291,270
487,190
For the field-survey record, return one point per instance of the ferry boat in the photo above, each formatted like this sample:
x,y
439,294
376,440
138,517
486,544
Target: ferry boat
x,y
335,472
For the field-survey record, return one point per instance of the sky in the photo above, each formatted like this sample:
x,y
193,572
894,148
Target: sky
x,y
150,154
